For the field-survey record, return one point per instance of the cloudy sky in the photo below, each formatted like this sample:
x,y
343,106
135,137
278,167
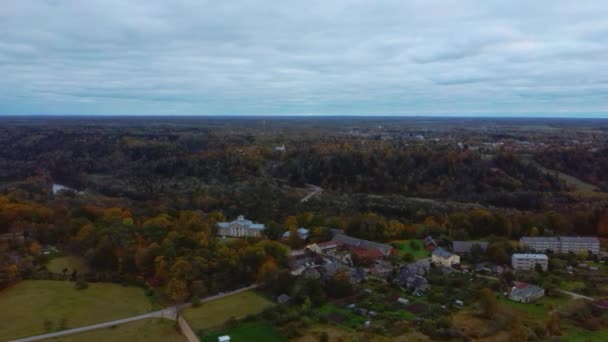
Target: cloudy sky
x,y
310,57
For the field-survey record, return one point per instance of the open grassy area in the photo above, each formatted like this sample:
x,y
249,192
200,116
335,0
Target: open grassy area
x,y
342,316
217,312
537,309
404,246
56,265
576,334
28,304
246,332
149,330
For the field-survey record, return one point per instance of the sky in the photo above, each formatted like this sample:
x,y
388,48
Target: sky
x,y
267,57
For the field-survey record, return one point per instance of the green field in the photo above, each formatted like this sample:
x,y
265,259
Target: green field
x,y
246,332
537,309
149,330
575,334
404,246
349,318
72,263
217,312
28,304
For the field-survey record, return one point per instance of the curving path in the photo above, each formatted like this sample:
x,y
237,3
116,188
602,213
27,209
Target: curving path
x,y
314,191
167,313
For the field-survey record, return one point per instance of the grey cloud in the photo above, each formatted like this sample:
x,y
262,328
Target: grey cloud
x,y
315,57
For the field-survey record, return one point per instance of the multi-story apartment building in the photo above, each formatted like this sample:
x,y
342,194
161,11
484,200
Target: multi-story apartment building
x,y
561,244
529,261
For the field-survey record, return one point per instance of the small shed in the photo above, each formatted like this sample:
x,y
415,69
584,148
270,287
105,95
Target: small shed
x,y
282,299
403,301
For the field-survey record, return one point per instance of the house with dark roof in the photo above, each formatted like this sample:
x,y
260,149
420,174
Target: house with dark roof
x,y
441,256
525,293
465,247
410,278
364,249
358,275
429,243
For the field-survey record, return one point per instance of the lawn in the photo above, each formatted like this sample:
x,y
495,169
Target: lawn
x,y
335,333
576,334
72,263
572,285
149,330
342,316
537,309
404,246
28,304
215,313
246,332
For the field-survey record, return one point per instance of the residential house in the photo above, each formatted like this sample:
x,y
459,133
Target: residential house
x,y
323,247
358,275
364,249
525,293
529,261
240,228
412,276
429,243
442,257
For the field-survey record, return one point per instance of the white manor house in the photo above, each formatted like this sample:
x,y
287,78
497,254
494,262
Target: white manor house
x,y
240,228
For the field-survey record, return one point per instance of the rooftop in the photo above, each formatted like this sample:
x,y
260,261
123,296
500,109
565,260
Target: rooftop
x,y
442,253
530,256
359,243
241,221
520,289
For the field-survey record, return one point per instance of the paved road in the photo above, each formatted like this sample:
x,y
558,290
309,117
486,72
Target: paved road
x,y
314,191
167,313
575,295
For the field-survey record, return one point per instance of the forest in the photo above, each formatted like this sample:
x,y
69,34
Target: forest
x,y
144,197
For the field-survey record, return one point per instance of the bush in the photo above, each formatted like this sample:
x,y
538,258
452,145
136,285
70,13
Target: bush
x,y
48,325
196,301
81,284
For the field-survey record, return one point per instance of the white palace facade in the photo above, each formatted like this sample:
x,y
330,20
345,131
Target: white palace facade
x,y
240,228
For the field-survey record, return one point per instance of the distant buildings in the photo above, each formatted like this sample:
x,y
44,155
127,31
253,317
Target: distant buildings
x,y
525,293
240,228
529,261
412,277
364,249
561,244
442,257
303,233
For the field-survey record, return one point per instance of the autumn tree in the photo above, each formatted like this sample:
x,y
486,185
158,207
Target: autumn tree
x,y
553,324
518,330
602,225
489,304
268,271
177,291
